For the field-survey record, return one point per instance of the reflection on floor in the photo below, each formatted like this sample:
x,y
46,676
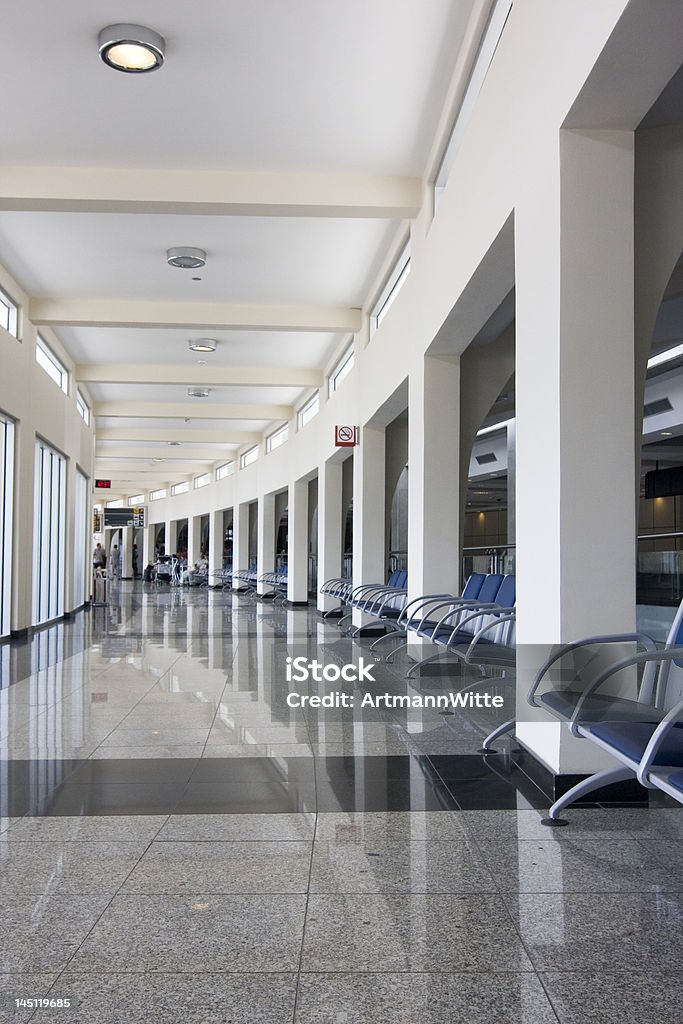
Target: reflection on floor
x,y
178,844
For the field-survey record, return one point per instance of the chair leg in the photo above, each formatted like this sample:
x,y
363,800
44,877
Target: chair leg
x,y
424,661
395,634
401,647
508,726
581,788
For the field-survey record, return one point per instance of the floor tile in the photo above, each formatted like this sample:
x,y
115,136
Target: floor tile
x,y
179,998
135,828
392,867
579,865
610,998
18,986
410,932
422,999
78,868
395,826
169,868
244,798
147,771
41,933
238,828
201,933
591,932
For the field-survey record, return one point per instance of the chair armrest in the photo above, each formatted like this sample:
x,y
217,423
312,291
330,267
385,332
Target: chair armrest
x,y
616,638
491,625
670,654
424,599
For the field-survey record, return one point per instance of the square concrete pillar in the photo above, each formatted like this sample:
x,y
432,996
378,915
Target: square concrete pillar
x,y
240,540
575,429
194,539
148,535
297,543
216,535
266,539
434,554
329,528
369,495
170,536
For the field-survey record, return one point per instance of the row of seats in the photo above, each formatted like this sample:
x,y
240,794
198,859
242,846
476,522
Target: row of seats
x,y
644,733
481,617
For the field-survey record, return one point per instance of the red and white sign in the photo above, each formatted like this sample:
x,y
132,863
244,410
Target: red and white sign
x,y
346,437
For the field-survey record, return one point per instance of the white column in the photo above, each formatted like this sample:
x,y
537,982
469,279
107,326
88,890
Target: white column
x,y
369,564
297,543
194,539
575,440
148,545
216,535
240,539
329,528
170,536
265,556
127,553
434,477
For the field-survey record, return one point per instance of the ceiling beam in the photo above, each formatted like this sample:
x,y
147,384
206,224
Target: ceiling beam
x,y
205,316
176,434
195,409
110,469
236,376
186,453
209,193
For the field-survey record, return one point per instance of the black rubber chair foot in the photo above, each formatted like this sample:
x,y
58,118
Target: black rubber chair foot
x,y
487,750
554,822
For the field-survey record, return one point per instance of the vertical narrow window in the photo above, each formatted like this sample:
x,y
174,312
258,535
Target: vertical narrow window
x,y
9,319
6,517
341,370
81,520
48,534
46,358
394,283
83,408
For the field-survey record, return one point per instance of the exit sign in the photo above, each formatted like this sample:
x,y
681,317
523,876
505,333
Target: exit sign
x,y
101,485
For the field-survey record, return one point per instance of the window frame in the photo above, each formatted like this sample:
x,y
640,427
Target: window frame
x,y
12,317
82,407
246,457
182,487
220,475
301,417
158,494
54,364
273,441
202,480
341,370
135,500
396,278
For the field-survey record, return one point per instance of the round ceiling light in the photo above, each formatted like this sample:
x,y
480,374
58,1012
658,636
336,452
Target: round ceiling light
x,y
198,392
203,345
174,444
186,257
133,49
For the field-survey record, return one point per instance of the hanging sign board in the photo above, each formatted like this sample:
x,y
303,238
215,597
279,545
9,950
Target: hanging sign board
x,y
139,516
345,437
102,485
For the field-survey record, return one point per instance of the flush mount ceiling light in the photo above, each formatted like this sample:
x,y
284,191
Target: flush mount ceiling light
x,y
187,257
133,49
198,392
203,345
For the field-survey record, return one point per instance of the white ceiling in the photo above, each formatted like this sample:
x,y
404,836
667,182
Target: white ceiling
x,y
300,86
291,90
166,345
280,260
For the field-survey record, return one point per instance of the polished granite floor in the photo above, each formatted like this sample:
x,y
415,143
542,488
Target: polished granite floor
x,y
179,845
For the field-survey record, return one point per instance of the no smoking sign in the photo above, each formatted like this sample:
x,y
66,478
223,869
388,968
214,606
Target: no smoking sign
x,y
345,437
